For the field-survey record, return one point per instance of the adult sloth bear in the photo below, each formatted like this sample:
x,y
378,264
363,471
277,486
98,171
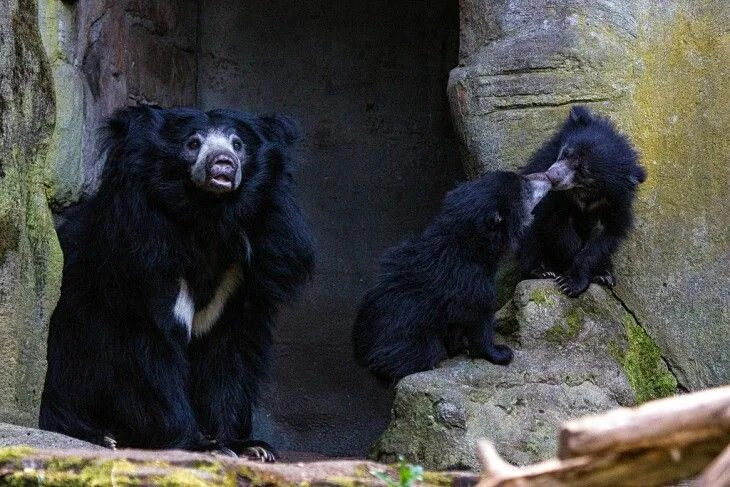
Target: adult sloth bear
x,y
437,289
173,274
578,226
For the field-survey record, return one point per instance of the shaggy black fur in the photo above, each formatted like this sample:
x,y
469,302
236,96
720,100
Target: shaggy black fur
x,y
121,365
578,226
438,288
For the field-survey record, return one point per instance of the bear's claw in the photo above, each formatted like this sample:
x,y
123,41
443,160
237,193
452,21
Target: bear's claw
x,y
260,453
606,279
110,442
570,286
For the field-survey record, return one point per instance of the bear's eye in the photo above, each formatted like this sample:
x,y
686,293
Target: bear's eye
x,y
193,144
237,145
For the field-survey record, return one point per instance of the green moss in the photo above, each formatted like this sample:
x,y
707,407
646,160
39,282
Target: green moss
x,y
14,453
543,296
643,364
436,478
562,333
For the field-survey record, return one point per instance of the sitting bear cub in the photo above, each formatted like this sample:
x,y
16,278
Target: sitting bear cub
x,y
173,273
435,287
579,225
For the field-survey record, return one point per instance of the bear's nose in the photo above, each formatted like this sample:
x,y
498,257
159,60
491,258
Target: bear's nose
x,y
222,164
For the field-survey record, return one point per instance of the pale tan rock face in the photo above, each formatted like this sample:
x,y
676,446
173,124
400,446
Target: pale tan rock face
x,y
660,71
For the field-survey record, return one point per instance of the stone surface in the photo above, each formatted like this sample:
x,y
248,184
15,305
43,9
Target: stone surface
x,y
573,357
367,82
12,435
57,28
660,70
30,258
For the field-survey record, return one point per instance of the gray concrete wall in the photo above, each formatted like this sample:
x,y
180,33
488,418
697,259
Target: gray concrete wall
x,y
367,81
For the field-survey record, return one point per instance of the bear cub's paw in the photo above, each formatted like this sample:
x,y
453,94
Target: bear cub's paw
x,y
605,278
572,285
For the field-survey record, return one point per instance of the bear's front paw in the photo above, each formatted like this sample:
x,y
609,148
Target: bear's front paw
x,y
604,278
259,453
255,450
573,286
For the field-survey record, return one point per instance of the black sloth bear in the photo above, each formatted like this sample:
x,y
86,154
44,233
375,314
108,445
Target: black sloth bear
x,y
173,274
437,289
577,227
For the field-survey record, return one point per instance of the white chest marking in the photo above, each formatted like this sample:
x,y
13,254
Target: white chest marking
x,y
184,309
203,321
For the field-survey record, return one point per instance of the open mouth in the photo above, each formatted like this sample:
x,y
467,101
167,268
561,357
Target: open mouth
x,y
222,181
222,174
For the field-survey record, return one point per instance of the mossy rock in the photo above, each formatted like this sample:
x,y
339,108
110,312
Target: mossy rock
x,y
573,357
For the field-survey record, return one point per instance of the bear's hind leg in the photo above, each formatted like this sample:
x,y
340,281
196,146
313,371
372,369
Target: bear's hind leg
x,y
481,342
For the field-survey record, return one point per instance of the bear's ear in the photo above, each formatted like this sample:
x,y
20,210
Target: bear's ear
x,y
126,120
280,128
638,175
580,115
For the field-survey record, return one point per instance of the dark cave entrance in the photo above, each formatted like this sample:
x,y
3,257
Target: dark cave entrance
x,y
367,81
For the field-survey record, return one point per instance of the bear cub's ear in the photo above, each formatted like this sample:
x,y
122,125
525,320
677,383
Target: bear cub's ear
x,y
638,175
280,128
580,115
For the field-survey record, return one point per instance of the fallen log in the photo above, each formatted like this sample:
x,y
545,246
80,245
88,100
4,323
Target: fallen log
x,y
671,422
655,444
642,468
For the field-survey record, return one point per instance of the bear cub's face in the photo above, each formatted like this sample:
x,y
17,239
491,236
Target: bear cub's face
x,y
216,157
593,155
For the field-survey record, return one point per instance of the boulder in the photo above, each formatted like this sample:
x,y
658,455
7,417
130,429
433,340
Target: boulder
x,y
659,69
573,357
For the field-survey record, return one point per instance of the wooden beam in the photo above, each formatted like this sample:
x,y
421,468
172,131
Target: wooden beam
x,y
651,467
671,423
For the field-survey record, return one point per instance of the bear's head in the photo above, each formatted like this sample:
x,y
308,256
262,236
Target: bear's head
x,y
187,154
593,156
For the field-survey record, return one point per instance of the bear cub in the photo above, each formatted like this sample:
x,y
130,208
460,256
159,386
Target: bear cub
x,y
437,289
578,226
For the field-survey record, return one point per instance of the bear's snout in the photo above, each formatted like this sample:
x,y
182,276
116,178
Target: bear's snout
x,y
221,171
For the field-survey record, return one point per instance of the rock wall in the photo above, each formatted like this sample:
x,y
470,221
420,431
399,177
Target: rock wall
x,y
130,52
660,70
30,257
105,55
